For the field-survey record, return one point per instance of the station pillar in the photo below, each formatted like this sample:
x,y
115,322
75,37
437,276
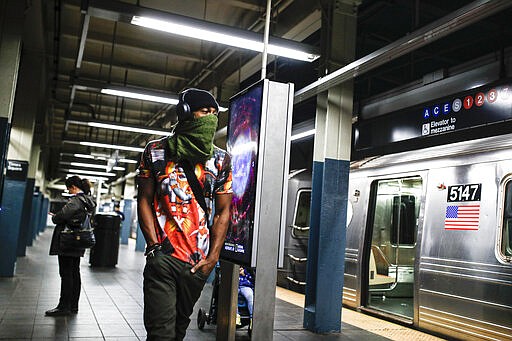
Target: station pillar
x,y
29,97
11,27
128,195
331,164
21,142
35,213
11,21
35,206
140,242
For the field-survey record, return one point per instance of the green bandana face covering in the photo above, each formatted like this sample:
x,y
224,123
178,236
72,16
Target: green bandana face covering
x,y
193,139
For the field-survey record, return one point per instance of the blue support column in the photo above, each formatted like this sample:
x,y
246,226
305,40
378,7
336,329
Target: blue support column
x,y
331,155
25,218
326,248
12,16
34,217
44,215
140,244
10,217
5,129
126,224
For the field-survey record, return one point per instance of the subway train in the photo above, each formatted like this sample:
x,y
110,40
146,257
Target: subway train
x,y
428,238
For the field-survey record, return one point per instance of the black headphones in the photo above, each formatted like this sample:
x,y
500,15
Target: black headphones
x,y
183,109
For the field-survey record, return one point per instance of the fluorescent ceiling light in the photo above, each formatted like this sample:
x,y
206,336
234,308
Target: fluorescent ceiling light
x,y
141,96
122,127
105,145
98,156
88,172
135,93
128,161
132,129
90,165
303,134
112,146
221,38
84,156
88,177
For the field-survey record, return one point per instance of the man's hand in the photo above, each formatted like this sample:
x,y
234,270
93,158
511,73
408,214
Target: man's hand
x,y
217,233
205,266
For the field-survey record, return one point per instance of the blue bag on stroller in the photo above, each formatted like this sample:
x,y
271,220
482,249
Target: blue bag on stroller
x,y
210,317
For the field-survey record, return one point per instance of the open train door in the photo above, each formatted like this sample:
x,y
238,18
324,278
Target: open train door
x,y
391,246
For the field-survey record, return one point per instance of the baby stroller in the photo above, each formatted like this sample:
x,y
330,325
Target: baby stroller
x,y
210,317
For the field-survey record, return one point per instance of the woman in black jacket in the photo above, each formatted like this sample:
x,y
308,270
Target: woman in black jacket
x,y
72,215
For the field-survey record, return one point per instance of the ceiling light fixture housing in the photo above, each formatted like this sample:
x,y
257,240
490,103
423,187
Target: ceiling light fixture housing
x,y
199,29
121,127
216,35
87,172
105,145
138,95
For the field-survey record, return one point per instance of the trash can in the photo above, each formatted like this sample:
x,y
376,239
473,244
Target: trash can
x,y
107,228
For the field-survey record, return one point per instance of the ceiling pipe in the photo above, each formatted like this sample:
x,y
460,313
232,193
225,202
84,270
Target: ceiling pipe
x,y
265,41
79,57
83,38
224,55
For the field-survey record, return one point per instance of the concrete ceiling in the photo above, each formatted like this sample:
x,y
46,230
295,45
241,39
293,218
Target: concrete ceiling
x,y
86,44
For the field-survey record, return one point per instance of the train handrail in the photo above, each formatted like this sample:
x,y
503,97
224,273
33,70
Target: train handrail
x,y
392,286
297,259
293,280
376,253
297,228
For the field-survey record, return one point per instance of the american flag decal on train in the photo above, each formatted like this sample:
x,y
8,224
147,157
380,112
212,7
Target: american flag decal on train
x,y
462,217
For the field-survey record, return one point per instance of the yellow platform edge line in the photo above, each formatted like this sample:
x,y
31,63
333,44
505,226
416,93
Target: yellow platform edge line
x,y
372,324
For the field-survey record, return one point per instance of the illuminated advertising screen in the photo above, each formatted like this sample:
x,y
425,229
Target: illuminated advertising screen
x,y
244,125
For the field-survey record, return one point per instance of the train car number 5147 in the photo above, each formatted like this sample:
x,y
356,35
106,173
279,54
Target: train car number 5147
x,y
466,192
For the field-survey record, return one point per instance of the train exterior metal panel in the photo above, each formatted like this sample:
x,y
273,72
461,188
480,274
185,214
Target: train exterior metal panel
x,y
460,276
358,200
293,273
461,288
425,238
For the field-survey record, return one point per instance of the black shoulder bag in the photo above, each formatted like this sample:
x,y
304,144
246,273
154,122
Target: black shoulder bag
x,y
78,238
196,187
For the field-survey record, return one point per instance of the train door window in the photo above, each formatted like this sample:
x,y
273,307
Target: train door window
x,y
393,224
506,229
300,227
403,220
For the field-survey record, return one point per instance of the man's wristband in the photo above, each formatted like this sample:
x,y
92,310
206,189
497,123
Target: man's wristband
x,y
150,250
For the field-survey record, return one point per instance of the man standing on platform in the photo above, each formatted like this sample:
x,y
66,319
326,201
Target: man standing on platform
x,y
184,198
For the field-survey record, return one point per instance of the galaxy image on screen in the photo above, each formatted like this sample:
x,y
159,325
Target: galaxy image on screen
x,y
242,144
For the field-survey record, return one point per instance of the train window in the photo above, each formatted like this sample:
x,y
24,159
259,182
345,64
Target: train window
x,y
506,230
403,220
300,227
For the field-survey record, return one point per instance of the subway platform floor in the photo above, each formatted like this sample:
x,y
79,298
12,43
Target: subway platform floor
x,y
111,305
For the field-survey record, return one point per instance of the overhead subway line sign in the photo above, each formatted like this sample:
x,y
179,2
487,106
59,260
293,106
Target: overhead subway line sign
x,y
479,107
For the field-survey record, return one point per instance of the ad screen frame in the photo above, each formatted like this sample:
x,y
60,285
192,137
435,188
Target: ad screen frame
x,y
243,144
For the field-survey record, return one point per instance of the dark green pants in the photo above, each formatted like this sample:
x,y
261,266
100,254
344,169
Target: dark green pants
x,y
170,292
